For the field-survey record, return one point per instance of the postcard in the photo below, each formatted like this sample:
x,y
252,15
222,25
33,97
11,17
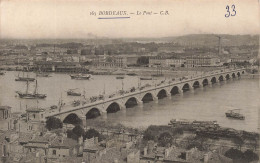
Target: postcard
x,y
133,81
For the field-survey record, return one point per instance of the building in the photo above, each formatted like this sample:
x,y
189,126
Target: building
x,y
6,122
62,147
5,112
35,119
168,49
166,61
58,66
110,62
175,62
35,114
157,61
202,62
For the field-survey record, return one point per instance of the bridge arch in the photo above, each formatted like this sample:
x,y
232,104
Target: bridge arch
x,y
93,113
227,76
175,90
238,74
213,80
205,82
72,118
113,107
221,78
161,94
186,87
196,84
147,97
243,72
131,102
233,75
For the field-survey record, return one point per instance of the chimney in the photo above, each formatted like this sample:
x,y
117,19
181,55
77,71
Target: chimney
x,y
96,140
167,152
145,151
80,140
206,158
188,155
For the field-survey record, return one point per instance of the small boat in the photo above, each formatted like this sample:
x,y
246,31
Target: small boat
x,y
81,77
146,78
157,75
233,114
43,74
71,92
76,103
34,95
131,74
23,78
54,107
120,77
2,73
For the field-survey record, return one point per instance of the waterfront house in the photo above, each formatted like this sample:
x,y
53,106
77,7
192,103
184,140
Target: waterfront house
x,y
6,122
63,147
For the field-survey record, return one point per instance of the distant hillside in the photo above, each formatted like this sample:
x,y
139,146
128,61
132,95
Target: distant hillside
x,y
206,39
210,39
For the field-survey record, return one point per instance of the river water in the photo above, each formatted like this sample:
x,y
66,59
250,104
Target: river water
x,y
208,103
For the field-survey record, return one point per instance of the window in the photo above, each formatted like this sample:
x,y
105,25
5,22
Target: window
x,y
33,116
54,152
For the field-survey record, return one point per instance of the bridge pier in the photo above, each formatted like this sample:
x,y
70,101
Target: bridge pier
x,y
83,118
192,89
139,102
181,92
123,107
168,95
155,98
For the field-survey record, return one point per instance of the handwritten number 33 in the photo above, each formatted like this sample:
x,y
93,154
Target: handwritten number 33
x,y
233,11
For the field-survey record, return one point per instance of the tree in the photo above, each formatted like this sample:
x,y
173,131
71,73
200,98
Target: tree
x,y
78,130
92,133
71,135
238,141
143,60
249,156
164,139
148,135
53,123
234,154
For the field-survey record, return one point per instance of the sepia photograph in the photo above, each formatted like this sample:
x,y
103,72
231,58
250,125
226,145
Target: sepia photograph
x,y
129,81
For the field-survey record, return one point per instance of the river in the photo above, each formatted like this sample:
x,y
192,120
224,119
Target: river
x,y
208,103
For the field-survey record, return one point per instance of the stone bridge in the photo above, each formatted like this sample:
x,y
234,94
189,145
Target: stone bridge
x,y
70,114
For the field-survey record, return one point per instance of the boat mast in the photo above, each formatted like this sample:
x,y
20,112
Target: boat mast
x,y
35,90
104,92
37,103
122,85
20,105
27,86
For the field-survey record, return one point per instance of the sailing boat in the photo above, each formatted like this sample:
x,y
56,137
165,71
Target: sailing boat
x,y
71,92
42,74
234,113
34,95
23,78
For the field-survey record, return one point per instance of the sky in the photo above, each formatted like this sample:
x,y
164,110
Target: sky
x,y
71,19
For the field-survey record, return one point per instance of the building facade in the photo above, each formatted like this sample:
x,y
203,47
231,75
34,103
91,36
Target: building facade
x,y
201,62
